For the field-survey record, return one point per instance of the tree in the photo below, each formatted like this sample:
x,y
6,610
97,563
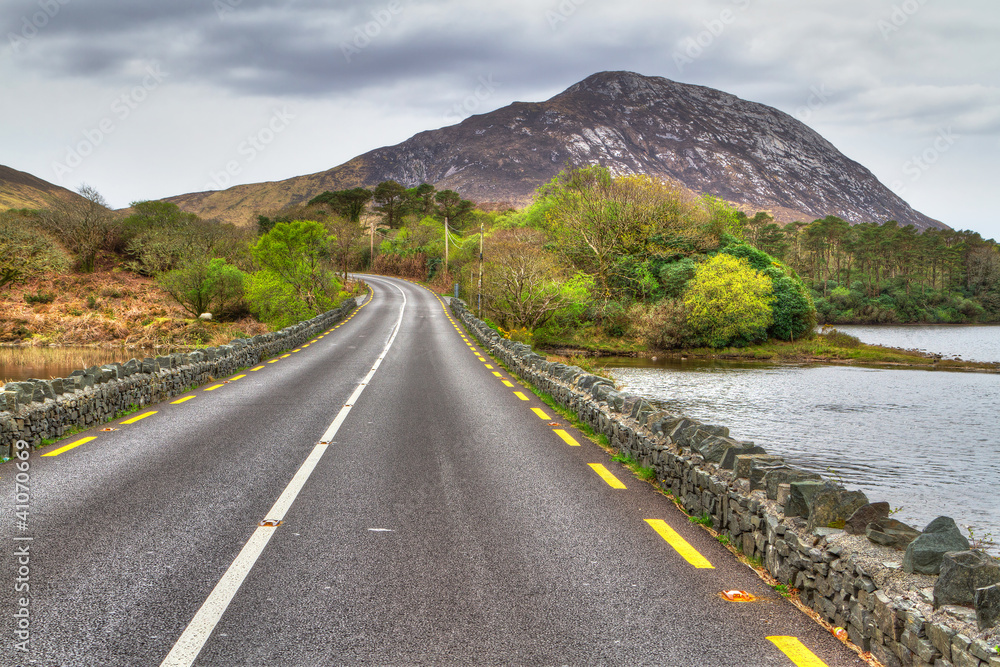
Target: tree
x,y
204,285
294,255
729,303
597,218
391,201
159,236
451,206
344,237
722,218
520,280
84,226
347,203
422,198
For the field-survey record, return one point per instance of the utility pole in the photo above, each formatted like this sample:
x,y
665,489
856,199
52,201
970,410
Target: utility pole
x,y
446,249
480,297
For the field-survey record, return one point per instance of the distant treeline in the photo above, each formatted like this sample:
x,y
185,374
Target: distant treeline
x,y
881,273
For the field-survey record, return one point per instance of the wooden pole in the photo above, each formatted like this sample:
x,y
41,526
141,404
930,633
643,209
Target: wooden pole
x,y
480,298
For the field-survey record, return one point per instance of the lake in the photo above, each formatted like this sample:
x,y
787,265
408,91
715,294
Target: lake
x,y
970,342
20,363
925,441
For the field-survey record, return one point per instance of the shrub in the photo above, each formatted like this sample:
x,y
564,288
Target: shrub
x,y
25,251
841,339
674,276
204,285
794,314
39,297
662,325
729,302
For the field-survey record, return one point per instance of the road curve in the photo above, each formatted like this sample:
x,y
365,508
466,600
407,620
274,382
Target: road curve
x,y
446,522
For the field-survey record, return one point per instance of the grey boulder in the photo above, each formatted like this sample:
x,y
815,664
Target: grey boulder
x,y
924,554
988,606
858,522
830,508
962,572
891,533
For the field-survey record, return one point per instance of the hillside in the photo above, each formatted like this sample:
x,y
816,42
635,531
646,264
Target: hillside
x,y
22,190
710,141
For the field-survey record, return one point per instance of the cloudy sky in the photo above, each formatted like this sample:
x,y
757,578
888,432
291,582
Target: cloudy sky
x,y
146,99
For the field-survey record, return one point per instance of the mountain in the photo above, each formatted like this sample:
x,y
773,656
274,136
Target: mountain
x,y
22,190
757,157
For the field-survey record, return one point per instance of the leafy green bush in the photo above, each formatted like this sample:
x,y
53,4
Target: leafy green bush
x,y
674,277
729,303
203,285
794,314
295,281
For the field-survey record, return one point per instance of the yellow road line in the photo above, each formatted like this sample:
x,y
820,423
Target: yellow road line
x,y
213,387
182,400
274,361
298,350
541,413
680,545
606,475
489,367
138,417
81,441
482,360
797,652
521,395
238,377
508,384
499,375
258,368
567,438
285,356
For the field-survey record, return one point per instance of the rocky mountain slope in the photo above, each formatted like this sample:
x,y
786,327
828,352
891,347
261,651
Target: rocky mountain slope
x,y
710,141
22,190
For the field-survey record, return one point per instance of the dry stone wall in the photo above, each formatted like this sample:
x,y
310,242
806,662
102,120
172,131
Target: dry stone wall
x,y
775,513
45,409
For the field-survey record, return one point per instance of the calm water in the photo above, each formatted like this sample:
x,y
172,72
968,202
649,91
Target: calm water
x,y
972,343
925,441
21,363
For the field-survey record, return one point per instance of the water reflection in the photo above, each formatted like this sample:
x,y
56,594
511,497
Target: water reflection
x,y
21,363
924,441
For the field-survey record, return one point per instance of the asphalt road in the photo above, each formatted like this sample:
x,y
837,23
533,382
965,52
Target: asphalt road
x,y
445,522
